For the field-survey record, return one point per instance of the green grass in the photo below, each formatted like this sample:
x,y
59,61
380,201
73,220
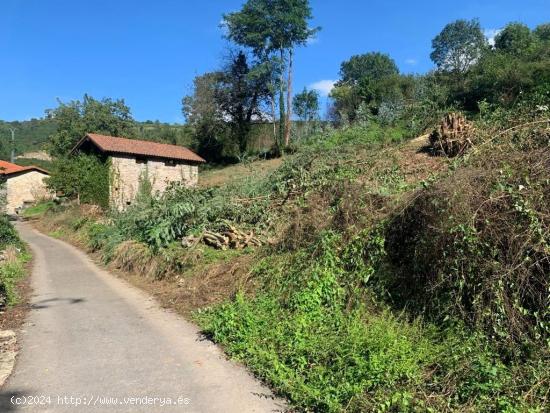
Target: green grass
x,y
58,233
12,269
10,274
316,333
331,320
38,210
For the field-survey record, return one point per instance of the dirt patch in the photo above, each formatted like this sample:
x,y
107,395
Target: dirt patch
x,y
207,287
416,163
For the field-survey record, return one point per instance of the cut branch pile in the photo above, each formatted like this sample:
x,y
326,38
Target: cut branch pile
x,y
453,136
230,238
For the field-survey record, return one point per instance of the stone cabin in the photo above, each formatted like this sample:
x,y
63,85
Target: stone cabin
x,y
131,160
21,186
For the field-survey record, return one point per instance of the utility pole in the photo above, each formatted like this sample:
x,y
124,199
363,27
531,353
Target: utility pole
x,y
12,130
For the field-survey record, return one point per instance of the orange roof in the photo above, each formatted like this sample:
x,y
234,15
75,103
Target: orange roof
x,y
113,144
8,168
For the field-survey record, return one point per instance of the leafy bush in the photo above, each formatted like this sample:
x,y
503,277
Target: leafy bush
x,y
475,245
85,177
317,332
12,268
8,234
10,272
306,342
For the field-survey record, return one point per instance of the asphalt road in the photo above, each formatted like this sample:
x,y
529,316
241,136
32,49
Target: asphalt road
x,y
94,343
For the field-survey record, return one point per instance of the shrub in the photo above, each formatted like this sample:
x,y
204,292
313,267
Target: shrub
x,y
12,267
475,245
306,341
8,234
85,177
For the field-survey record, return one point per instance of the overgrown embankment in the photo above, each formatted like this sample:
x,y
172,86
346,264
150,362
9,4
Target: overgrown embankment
x,y
13,257
388,279
14,290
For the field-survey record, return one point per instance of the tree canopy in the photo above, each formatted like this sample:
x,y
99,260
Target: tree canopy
x,y
373,66
269,26
515,38
458,46
76,118
306,105
224,104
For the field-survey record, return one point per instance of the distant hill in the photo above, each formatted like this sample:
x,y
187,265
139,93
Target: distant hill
x,y
30,135
33,135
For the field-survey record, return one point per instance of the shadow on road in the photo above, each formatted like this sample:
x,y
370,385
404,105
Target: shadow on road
x,y
50,302
13,401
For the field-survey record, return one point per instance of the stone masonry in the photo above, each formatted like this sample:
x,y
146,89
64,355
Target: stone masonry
x,y
127,171
25,188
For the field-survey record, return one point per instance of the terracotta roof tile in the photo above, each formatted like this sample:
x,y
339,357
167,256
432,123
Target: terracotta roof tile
x,y
8,168
113,144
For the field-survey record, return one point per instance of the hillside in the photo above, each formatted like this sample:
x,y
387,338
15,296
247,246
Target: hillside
x,y
32,136
389,277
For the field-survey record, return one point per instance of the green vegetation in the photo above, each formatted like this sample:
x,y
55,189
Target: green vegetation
x,y
38,210
84,177
389,278
469,72
12,264
30,136
272,29
8,234
76,118
378,290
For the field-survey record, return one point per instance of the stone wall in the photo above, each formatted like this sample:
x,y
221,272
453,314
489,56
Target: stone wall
x,y
126,172
27,187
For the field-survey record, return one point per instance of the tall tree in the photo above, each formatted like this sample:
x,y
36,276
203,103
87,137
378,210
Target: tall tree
x,y
273,26
365,80
515,38
239,94
306,105
224,104
202,112
373,65
458,46
76,118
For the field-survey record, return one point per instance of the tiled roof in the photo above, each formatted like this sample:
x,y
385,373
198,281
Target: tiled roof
x,y
112,144
8,168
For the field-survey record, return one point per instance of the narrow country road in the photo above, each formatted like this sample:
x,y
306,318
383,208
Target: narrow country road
x,y
94,343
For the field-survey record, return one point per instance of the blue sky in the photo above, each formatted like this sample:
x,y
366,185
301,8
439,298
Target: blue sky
x,y
148,51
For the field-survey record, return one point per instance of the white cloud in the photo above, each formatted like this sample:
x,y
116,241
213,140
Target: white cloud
x,y
490,34
411,62
222,25
312,40
323,86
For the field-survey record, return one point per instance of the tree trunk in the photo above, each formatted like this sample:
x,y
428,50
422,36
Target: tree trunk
x,y
273,117
289,98
281,105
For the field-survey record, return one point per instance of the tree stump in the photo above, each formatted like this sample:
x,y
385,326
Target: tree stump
x,y
453,136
